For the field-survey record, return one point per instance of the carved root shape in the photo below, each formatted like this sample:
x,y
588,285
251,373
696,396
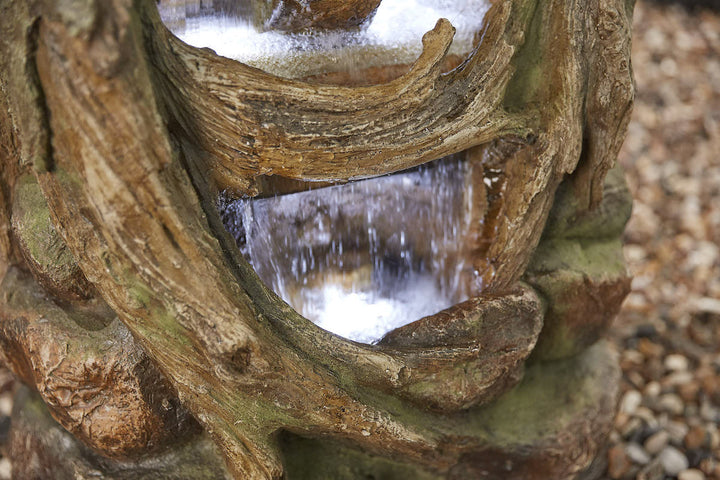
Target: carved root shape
x,y
251,123
145,129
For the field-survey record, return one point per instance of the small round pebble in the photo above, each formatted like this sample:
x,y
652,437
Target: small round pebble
x,y
637,454
5,468
671,404
652,389
676,362
618,462
677,431
652,471
631,428
679,378
691,474
647,416
656,442
630,401
696,438
673,460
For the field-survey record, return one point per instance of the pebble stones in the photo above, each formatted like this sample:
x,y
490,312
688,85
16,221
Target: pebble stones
x,y
691,474
676,363
671,403
637,454
631,400
673,460
656,442
619,463
668,330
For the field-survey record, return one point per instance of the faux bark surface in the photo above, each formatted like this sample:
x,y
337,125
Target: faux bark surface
x,y
145,130
96,381
40,448
579,269
539,436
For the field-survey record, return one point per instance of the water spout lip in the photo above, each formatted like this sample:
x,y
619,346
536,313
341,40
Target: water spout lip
x,y
465,355
480,321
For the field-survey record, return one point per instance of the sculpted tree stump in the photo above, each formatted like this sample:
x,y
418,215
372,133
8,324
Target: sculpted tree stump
x,y
128,309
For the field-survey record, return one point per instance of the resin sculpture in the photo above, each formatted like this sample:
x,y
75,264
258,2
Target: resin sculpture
x,y
136,171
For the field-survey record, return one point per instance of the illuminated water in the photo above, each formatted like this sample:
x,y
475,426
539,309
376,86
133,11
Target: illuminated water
x,y
393,35
364,258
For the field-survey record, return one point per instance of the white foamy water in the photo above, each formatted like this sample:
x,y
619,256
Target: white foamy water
x,y
365,258
366,317
393,35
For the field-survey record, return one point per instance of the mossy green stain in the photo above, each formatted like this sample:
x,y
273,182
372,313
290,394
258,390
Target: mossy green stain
x,y
598,259
568,220
524,86
546,402
312,459
34,228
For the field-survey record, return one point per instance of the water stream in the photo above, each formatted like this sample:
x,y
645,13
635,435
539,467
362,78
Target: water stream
x,y
393,36
364,258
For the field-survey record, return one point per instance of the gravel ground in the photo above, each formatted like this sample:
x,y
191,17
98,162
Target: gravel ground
x,y
7,384
669,328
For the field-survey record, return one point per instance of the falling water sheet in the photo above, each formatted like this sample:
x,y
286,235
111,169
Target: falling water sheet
x,y
393,35
364,258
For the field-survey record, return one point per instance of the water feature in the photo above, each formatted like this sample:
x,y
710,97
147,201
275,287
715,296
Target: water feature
x,y
392,36
363,258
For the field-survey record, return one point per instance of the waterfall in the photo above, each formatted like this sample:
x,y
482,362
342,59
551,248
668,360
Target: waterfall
x,y
393,36
363,258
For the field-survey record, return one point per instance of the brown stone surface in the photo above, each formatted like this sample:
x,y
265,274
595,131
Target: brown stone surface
x,y
508,325
42,450
86,366
516,442
581,304
527,433
581,309
569,219
296,15
579,270
539,434
618,462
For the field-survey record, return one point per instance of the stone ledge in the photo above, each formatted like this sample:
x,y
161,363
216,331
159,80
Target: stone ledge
x,y
551,426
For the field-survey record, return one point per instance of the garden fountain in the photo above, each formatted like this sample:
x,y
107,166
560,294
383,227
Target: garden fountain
x,y
174,220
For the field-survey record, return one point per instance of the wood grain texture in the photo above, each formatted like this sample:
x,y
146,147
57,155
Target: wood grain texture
x,y
96,381
146,130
